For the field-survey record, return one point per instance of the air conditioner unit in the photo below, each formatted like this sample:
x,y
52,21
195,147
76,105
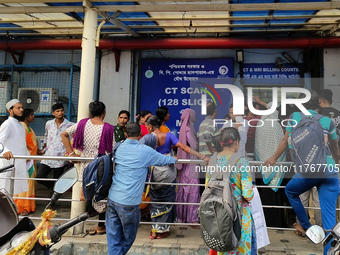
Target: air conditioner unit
x,y
38,99
5,89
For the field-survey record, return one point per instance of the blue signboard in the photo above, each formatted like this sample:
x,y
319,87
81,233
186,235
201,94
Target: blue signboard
x,y
269,74
179,83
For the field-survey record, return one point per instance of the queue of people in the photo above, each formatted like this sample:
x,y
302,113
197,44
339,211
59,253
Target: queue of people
x,y
273,143
167,174
148,154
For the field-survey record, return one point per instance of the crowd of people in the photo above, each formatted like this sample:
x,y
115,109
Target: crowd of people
x,y
272,143
148,153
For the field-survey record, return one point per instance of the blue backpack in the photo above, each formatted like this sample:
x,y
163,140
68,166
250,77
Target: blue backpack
x,y
97,176
309,148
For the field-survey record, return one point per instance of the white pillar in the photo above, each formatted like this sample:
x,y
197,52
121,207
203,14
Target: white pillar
x,y
88,59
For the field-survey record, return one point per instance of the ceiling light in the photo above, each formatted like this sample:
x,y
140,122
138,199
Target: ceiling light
x,y
289,58
239,56
279,63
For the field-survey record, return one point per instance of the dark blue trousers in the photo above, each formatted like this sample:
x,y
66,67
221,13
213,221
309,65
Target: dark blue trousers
x,y
328,189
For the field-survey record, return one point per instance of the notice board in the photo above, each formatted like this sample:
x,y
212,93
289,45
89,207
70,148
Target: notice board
x,y
270,75
179,83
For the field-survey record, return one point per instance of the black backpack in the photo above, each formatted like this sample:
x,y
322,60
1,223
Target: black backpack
x,y
97,176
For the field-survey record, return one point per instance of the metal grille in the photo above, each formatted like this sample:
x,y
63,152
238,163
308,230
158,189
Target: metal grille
x,y
39,87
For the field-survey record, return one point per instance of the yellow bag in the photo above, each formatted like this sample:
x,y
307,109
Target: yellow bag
x,y
144,199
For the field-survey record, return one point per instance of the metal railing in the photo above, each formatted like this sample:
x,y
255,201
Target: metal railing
x,y
181,161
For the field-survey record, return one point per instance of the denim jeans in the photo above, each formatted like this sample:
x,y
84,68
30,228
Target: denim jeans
x,y
328,189
122,222
305,197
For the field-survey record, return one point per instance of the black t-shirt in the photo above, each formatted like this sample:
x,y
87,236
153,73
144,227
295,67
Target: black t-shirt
x,y
334,114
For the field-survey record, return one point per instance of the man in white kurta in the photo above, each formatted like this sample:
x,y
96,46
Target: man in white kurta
x,y
12,136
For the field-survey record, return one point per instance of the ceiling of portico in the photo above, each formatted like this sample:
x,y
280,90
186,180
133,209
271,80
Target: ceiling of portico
x,y
148,19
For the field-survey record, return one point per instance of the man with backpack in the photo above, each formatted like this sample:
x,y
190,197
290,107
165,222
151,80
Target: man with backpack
x,y
315,164
132,161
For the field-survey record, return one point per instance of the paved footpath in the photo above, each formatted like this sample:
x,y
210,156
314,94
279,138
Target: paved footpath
x,y
183,240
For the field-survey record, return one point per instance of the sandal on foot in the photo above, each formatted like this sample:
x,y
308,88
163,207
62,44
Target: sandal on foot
x,y
151,236
299,228
24,213
162,235
101,230
300,235
93,231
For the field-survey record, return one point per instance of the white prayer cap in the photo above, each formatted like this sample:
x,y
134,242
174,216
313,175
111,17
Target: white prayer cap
x,y
11,103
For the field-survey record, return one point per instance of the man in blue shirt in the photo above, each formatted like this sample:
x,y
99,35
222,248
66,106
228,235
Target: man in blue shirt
x,y
327,185
123,214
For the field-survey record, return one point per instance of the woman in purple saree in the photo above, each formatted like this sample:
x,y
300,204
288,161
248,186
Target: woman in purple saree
x,y
187,172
